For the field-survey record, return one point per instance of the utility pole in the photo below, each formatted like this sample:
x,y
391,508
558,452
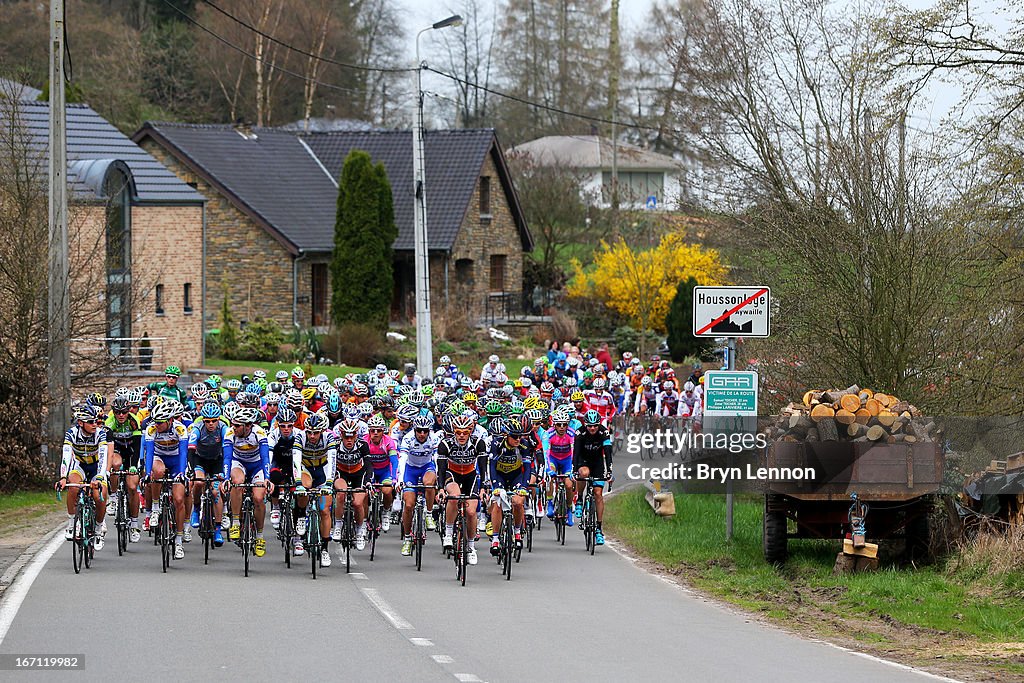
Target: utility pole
x,y
614,66
59,368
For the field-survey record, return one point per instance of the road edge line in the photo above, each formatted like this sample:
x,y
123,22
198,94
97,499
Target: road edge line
x,y
22,575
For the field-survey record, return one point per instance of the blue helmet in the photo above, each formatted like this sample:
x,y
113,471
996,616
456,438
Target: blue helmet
x,y
254,388
334,403
210,411
592,417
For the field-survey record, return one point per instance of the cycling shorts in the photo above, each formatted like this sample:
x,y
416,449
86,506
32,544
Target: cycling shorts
x,y
253,470
317,476
86,472
209,466
352,479
381,475
168,472
469,484
413,474
562,466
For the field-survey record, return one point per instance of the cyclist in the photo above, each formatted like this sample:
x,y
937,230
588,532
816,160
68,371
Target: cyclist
x,y
281,442
353,469
592,456
418,450
508,475
247,460
461,458
646,398
298,377
206,458
600,400
166,449
313,463
169,389
560,439
85,455
126,438
668,403
384,460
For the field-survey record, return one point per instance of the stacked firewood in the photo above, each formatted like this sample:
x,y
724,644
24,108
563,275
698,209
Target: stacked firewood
x,y
852,414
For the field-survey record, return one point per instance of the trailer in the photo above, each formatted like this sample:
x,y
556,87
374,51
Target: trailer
x,y
897,481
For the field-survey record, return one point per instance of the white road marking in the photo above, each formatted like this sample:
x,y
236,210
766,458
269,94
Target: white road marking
x,y
421,642
373,595
15,595
442,659
359,576
468,678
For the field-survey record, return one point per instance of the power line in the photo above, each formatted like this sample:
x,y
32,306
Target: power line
x,y
359,67
257,59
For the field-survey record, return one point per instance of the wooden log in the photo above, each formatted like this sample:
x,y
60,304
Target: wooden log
x,y
856,429
866,564
895,438
836,395
862,416
900,407
876,432
845,417
821,411
910,439
828,429
873,406
865,394
812,435
886,418
845,564
850,403
799,424
808,397
868,549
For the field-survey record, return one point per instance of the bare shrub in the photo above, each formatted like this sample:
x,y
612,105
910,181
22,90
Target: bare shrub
x,y
564,327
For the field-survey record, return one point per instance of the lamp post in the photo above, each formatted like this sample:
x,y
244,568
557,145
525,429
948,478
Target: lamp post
x,y
424,349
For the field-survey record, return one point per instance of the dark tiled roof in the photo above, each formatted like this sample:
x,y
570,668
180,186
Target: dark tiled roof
x,y
91,138
453,162
273,177
284,180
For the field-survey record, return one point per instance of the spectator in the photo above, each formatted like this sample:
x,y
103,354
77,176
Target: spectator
x,y
552,352
603,356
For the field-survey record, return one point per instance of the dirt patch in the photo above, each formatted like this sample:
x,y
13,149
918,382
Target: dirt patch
x,y
21,527
810,613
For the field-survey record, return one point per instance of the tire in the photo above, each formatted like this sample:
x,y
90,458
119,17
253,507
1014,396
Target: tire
x,y
166,537
313,537
419,532
507,542
529,538
77,546
592,524
463,550
918,536
246,538
774,539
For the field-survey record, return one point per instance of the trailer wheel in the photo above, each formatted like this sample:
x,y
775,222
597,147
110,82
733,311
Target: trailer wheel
x,y
774,532
918,536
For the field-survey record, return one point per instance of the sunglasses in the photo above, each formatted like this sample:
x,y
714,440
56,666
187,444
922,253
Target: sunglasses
x,y
90,422
121,412
422,431
375,430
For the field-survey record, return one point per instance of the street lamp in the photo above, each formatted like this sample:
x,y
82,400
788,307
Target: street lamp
x,y
424,351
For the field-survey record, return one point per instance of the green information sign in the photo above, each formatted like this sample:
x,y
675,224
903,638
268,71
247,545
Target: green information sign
x,y
730,393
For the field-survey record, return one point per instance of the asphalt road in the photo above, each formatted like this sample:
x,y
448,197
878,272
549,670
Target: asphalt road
x,y
565,615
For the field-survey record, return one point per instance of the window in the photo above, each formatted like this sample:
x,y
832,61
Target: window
x,y
187,297
159,299
634,187
464,271
485,195
498,273
320,287
117,229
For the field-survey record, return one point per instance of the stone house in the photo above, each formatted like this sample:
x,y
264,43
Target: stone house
x,y
135,235
271,203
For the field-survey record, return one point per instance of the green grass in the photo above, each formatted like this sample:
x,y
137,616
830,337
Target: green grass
x,y
25,499
235,368
986,607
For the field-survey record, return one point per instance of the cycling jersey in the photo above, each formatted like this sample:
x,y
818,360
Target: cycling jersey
x,y
508,466
416,454
461,460
126,437
692,403
310,456
85,453
207,445
397,433
668,404
593,451
352,460
170,446
383,456
247,451
174,393
560,447
602,402
281,447
647,396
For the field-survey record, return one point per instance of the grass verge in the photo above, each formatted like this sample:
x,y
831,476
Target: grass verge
x,y
952,599
20,500
236,368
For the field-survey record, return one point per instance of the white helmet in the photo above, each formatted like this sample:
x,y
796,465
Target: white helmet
x,y
688,386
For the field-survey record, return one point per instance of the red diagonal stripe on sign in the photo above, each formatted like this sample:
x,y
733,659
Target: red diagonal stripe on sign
x,y
730,312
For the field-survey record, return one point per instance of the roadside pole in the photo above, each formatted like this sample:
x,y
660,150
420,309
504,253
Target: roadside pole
x,y
728,484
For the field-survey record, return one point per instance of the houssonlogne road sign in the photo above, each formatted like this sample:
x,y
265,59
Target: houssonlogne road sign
x,y
731,311
730,393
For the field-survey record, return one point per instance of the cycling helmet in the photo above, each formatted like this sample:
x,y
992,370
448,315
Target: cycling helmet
x,y
592,417
309,393
493,408
121,391
173,370
577,396
540,362
497,426
407,413
507,391
531,402
321,379
135,397
298,373
627,356
526,382
365,409
230,410
244,398
394,374
273,400
200,391
293,399
469,397
259,374
162,412
254,388
97,399
536,415
246,416
547,388
377,422
423,422
517,407
646,380
233,385
153,401
427,390
210,411
560,418
361,389
668,385
281,376
119,404
461,422
599,384
346,427
286,415
519,425
177,407
688,386
334,403
86,412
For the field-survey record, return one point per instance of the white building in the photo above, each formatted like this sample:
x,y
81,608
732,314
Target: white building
x,y
643,174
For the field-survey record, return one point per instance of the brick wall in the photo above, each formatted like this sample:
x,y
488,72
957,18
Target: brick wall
x,y
240,254
167,250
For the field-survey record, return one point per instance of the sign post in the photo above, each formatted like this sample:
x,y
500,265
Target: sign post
x,y
731,397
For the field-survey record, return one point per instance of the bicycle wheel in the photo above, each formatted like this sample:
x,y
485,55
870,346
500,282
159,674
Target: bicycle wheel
x,y
88,536
246,538
349,533
313,536
507,542
77,545
121,521
373,525
165,534
588,531
461,549
419,535
592,524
